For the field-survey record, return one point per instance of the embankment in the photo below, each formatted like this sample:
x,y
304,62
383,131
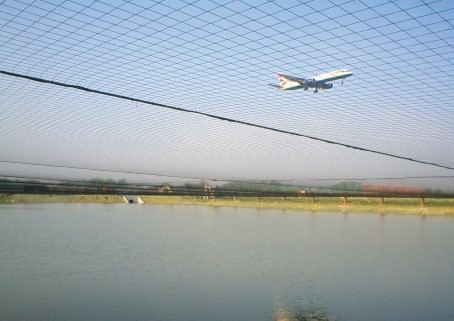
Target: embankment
x,y
411,206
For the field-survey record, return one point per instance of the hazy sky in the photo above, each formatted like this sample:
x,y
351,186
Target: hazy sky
x,y
219,57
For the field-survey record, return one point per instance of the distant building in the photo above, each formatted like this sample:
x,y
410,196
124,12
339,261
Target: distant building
x,y
405,190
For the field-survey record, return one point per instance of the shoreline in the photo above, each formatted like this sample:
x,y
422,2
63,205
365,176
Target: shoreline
x,y
411,206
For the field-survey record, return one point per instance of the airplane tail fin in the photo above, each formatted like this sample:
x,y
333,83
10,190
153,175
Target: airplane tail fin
x,y
280,76
282,79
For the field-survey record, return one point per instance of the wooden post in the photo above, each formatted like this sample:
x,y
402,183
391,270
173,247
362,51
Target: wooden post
x,y
345,200
423,201
382,200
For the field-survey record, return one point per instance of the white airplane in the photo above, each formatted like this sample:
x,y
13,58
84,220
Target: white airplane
x,y
321,81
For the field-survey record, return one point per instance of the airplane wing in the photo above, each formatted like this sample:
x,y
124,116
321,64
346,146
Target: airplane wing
x,y
333,75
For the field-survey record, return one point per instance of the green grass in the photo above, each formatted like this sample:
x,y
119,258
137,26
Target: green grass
x,y
329,204
32,198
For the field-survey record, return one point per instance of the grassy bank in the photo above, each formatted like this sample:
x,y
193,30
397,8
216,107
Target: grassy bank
x,y
329,204
39,198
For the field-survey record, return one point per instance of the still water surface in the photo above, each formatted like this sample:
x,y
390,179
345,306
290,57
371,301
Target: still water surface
x,y
149,262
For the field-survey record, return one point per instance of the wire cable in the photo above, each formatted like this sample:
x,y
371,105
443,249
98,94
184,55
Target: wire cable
x,y
179,109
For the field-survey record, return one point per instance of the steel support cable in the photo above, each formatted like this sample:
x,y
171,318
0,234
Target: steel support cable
x,y
252,31
183,123
141,187
282,131
111,170
72,187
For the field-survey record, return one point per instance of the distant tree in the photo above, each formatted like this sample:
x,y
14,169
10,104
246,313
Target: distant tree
x,y
165,188
428,191
347,186
259,187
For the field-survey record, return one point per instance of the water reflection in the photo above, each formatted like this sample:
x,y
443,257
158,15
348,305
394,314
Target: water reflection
x,y
281,313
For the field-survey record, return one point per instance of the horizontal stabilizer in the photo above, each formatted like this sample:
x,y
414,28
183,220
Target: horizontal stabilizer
x,y
275,86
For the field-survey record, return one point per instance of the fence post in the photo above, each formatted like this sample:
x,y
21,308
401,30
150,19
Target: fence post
x,y
345,199
423,201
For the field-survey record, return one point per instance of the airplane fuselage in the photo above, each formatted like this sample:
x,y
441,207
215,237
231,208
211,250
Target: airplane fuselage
x,y
322,81
293,85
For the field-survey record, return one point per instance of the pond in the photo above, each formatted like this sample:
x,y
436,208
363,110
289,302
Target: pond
x,y
152,262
